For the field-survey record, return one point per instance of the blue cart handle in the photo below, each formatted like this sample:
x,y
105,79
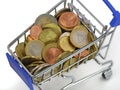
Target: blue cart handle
x,y
116,15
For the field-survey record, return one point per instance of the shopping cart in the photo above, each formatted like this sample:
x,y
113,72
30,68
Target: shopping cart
x,y
100,32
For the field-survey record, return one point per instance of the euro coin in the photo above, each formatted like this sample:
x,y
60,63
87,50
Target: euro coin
x,y
50,53
53,27
31,66
64,34
65,44
79,36
82,54
68,20
27,60
63,55
73,63
94,47
38,79
65,28
41,67
29,38
45,19
58,14
34,64
35,31
47,36
34,69
20,50
34,48
38,62
59,58
69,62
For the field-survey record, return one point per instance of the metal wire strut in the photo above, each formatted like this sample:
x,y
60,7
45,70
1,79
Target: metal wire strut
x,y
106,74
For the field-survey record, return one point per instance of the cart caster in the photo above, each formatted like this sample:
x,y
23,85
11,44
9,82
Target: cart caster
x,y
107,74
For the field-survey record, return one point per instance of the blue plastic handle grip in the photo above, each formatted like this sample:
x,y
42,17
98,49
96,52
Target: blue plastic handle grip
x,y
116,15
110,6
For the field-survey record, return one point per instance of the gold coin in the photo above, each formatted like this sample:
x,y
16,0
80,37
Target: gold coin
x,y
34,64
50,53
31,66
64,34
79,36
38,62
45,19
28,39
41,67
20,50
34,69
34,48
72,62
65,44
94,47
63,55
68,63
90,37
27,60
53,27
59,58
48,35
38,79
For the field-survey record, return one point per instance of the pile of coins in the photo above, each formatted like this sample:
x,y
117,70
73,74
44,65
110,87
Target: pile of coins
x,y
51,39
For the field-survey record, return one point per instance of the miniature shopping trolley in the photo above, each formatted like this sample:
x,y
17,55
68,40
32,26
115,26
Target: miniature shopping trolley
x,y
100,33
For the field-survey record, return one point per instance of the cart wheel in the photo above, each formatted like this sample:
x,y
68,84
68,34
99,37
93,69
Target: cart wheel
x,y
107,74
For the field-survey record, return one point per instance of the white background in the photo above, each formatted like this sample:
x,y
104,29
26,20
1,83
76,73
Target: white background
x,y
17,15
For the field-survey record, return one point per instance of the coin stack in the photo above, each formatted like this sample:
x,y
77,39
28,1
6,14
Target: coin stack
x,y
53,38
